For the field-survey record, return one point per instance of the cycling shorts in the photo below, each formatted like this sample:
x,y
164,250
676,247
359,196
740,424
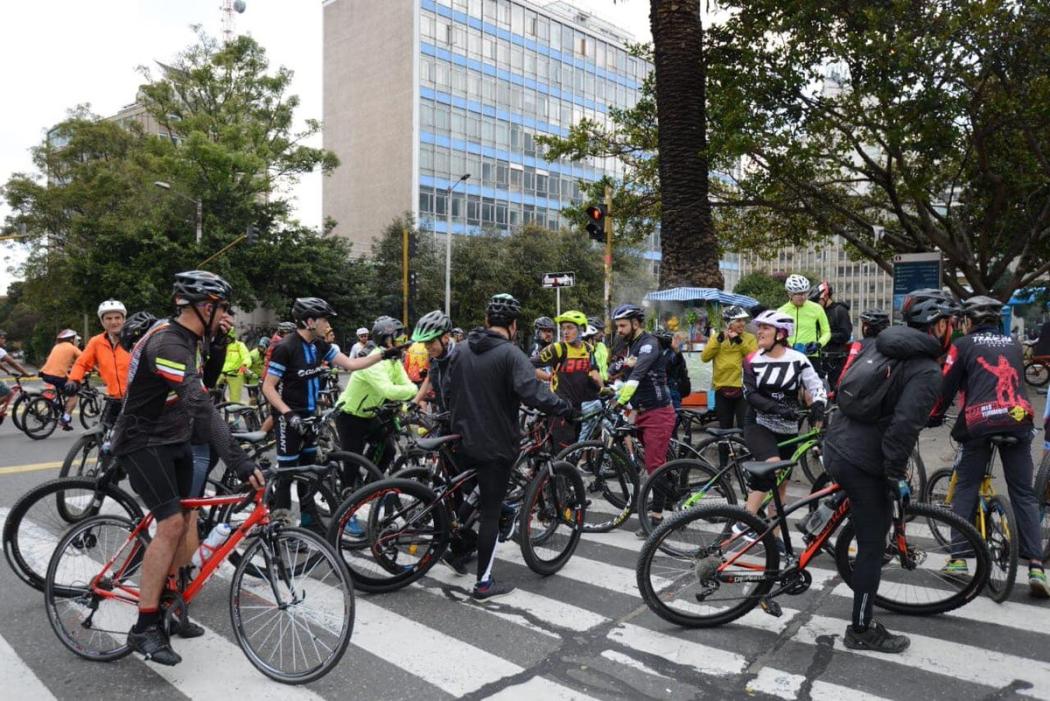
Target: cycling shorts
x,y
763,443
58,382
161,475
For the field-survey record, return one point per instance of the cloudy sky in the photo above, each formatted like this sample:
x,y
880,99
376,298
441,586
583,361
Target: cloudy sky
x,y
60,53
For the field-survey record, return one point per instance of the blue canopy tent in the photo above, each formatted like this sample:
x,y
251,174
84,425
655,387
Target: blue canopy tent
x,y
701,294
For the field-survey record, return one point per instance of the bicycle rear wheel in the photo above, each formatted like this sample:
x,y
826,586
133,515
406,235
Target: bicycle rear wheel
x,y
294,614
82,460
1002,540
1042,498
40,418
679,485
93,620
42,515
678,569
936,494
918,586
610,481
552,517
90,410
1036,373
18,408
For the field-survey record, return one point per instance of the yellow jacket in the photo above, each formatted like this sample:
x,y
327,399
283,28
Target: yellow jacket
x,y
729,359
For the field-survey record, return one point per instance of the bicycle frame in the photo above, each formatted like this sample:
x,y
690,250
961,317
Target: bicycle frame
x,y
986,492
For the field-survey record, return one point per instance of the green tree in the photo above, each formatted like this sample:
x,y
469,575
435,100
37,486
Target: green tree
x,y
767,289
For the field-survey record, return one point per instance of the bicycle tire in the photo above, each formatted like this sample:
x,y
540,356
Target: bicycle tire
x,y
90,411
936,494
812,463
707,448
28,541
67,597
679,481
1042,497
18,407
1036,373
333,588
365,470
77,461
40,418
890,595
719,520
1003,544
375,558
611,474
556,498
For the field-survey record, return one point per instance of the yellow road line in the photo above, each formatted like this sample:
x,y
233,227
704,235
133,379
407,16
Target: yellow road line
x,y
35,467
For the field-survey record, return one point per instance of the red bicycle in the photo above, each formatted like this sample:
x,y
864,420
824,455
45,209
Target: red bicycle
x,y
291,598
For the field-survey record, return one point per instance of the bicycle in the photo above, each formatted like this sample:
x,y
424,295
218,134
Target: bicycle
x,y
714,563
1037,370
291,600
15,399
1042,495
993,518
42,414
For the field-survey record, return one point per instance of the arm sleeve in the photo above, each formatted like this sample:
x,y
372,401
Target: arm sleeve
x,y
400,389
531,391
952,378
825,327
648,355
842,329
756,399
918,395
277,365
710,349
85,363
813,384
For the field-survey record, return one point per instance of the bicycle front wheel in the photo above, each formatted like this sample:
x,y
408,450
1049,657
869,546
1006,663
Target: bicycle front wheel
x,y
40,418
1001,537
92,585
684,572
553,513
294,613
1042,498
936,494
82,460
679,485
915,580
90,410
610,480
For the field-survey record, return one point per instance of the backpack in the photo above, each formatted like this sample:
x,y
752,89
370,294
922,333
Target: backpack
x,y
865,384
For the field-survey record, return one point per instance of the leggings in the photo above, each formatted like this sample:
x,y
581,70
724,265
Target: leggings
x,y
493,478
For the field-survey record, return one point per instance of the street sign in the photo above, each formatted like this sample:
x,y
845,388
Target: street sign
x,y
559,280
913,271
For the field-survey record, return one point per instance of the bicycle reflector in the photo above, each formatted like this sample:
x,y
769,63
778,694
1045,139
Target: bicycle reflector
x,y
596,222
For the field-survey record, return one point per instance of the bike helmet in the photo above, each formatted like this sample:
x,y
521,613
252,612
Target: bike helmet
x,y
362,331
136,325
596,321
664,337
921,310
589,332
458,332
572,317
194,286
264,342
796,284
503,310
628,311
432,325
543,323
110,306
386,327
312,308
982,309
284,328
734,312
874,320
820,291
66,335
779,321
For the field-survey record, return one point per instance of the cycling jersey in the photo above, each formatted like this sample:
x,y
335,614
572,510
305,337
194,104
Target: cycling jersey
x,y
236,358
571,371
297,364
111,361
772,385
646,384
368,388
416,361
811,324
60,359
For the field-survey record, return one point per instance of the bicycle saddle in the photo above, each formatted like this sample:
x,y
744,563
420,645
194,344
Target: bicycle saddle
x,y
437,441
1004,439
250,437
761,468
723,432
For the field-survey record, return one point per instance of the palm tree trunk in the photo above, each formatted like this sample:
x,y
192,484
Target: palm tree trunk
x,y
687,236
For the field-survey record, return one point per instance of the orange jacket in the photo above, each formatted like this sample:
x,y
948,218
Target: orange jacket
x,y
110,361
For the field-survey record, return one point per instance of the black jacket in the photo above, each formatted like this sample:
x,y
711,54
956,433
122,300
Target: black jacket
x,y
488,377
678,373
841,327
883,448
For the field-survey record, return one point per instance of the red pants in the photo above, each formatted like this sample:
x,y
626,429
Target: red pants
x,y
656,427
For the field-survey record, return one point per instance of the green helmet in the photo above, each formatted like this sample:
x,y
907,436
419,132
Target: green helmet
x,y
432,325
572,317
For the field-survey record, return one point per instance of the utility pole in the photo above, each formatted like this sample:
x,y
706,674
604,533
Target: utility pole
x,y
608,257
404,276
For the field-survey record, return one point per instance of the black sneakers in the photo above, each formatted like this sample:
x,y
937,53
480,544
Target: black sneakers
x,y
489,589
875,638
153,645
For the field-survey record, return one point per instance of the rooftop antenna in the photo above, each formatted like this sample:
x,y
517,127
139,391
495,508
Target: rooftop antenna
x,y
229,7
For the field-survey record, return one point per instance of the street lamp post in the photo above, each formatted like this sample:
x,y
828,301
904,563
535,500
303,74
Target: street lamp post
x,y
196,202
448,245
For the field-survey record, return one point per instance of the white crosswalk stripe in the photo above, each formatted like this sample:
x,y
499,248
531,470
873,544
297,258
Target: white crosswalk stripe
x,y
16,678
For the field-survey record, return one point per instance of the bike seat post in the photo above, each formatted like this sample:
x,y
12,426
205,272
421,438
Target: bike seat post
x,y
778,504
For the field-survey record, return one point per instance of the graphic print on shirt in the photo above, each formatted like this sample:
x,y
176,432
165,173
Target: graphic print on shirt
x,y
1008,401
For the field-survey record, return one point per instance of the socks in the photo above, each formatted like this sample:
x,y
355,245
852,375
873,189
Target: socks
x,y
147,618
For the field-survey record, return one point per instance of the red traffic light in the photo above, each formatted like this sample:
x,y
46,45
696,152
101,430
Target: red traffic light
x,y
596,213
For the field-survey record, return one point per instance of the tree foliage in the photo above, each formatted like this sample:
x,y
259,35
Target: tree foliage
x,y
767,289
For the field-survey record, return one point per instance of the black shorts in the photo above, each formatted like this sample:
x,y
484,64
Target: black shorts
x,y
293,448
161,475
763,443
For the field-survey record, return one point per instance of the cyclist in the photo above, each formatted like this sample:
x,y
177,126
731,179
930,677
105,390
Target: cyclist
x,y
869,458
573,374
488,377
152,439
104,354
728,349
434,330
987,367
293,384
235,367
774,377
542,336
812,330
595,335
59,362
458,335
872,322
362,341
6,359
678,382
841,330
257,356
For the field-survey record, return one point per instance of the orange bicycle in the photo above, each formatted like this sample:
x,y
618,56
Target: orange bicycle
x,y
291,598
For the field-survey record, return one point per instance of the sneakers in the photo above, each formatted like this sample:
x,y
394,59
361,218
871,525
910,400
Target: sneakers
x,y
153,645
353,528
489,589
188,629
876,638
65,425
955,568
1038,584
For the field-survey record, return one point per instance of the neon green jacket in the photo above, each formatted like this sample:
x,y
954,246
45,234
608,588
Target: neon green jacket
x,y
386,381
256,357
236,357
811,323
601,359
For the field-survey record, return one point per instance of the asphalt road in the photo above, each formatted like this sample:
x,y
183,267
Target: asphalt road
x,y
583,633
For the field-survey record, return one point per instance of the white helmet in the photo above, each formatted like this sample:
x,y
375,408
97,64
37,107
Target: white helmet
x,y
590,332
111,305
796,284
777,320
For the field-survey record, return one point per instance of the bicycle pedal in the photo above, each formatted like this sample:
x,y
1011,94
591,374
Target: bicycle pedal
x,y
771,607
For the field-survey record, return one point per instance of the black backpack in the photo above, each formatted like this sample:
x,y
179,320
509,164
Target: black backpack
x,y
865,384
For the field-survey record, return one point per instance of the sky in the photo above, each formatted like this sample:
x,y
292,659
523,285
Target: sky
x,y
61,53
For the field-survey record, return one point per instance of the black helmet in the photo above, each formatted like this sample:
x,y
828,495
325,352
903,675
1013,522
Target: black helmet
x,y
544,323
503,310
982,308
628,311
664,337
312,308
820,290
596,321
285,327
136,325
386,327
194,286
432,325
922,310
874,321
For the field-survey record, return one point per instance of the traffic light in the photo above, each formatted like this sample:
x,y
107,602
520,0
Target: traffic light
x,y
252,233
596,222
